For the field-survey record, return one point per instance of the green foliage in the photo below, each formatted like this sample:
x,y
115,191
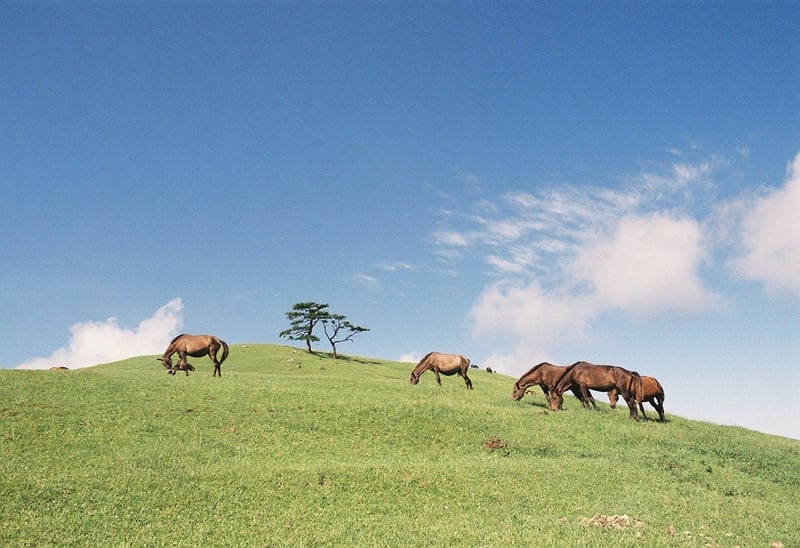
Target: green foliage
x,y
338,330
303,317
291,448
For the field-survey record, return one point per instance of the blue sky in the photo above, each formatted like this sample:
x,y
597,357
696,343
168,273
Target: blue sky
x,y
515,182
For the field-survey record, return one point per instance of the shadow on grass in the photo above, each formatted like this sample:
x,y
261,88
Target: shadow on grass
x,y
343,358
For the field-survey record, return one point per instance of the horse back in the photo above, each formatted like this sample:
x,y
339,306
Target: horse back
x,y
544,372
178,337
551,374
447,363
651,388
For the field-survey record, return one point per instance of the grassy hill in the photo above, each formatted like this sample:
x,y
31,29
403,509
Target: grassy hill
x,y
289,448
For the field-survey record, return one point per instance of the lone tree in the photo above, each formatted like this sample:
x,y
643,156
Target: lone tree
x,y
338,329
303,317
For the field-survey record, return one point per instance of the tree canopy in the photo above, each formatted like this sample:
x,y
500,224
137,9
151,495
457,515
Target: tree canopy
x,y
305,316
338,329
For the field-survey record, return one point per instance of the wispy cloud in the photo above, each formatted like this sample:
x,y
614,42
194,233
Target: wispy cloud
x,y
395,266
559,257
93,343
366,281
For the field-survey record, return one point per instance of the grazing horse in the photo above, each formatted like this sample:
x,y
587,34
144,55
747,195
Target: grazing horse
x,y
196,346
546,375
652,393
603,378
446,364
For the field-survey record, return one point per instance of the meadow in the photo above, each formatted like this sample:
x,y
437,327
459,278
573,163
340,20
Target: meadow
x,y
294,449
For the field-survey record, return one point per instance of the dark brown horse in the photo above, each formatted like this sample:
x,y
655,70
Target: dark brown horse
x,y
652,393
446,364
603,378
196,346
546,375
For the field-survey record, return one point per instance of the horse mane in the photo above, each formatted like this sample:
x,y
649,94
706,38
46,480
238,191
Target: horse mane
x,y
568,371
534,368
423,360
176,338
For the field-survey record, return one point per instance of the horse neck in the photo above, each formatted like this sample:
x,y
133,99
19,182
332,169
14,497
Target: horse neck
x,y
531,377
172,348
420,368
565,380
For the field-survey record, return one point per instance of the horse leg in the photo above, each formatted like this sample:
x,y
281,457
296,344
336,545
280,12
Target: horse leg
x,y
591,399
641,408
212,353
634,412
546,392
183,363
585,396
659,405
467,381
438,379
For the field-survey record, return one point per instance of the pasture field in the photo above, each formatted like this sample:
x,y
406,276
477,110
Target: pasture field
x,y
292,449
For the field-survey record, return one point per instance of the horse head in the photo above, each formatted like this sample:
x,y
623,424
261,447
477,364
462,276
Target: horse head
x,y
414,378
518,392
612,399
167,362
556,400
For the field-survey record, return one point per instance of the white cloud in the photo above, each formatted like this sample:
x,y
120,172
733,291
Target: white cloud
x,y
562,256
410,357
649,264
770,236
529,314
532,319
93,343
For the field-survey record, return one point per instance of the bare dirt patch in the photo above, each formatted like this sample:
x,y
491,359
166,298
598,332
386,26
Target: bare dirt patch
x,y
614,522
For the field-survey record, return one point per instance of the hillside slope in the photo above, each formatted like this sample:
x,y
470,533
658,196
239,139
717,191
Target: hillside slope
x,y
289,448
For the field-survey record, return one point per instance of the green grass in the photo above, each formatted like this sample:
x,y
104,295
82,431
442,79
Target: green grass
x,y
294,449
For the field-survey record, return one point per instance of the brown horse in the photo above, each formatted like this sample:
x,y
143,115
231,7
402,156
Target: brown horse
x,y
546,375
196,346
446,364
600,377
652,393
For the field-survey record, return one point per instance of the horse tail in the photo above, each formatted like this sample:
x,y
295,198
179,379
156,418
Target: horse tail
x,y
635,387
660,389
224,351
